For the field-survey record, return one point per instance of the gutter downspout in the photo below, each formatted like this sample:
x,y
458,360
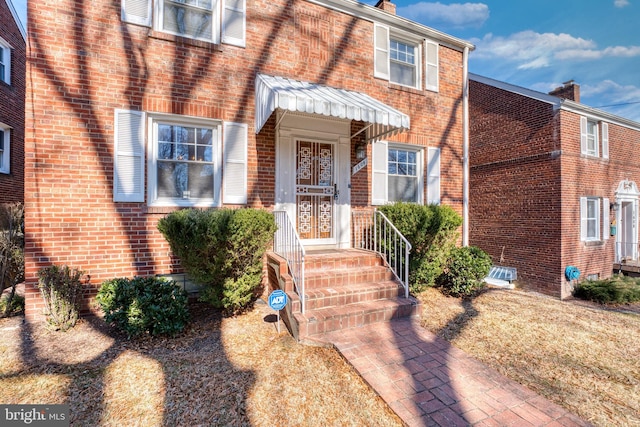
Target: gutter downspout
x,y
465,147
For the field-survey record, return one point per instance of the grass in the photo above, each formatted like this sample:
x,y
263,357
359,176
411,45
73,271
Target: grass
x,y
583,358
220,371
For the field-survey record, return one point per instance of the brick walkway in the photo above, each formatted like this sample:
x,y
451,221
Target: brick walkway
x,y
428,382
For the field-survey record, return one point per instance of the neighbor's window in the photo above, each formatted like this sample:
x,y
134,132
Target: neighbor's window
x,y
5,62
4,150
185,161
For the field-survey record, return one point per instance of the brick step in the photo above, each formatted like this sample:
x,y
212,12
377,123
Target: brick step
x,y
338,260
318,279
351,294
315,322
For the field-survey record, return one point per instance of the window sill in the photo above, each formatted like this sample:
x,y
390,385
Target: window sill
x,y
593,243
592,157
185,41
402,88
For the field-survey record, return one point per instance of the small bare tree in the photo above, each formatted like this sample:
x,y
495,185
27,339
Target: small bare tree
x,y
11,250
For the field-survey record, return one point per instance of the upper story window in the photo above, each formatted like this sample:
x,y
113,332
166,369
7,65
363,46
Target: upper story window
x,y
594,138
5,62
398,58
196,19
5,151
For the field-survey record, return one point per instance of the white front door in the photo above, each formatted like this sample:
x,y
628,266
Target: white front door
x,y
316,190
627,240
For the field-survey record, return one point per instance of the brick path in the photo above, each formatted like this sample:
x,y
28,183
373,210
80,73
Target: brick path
x,y
428,382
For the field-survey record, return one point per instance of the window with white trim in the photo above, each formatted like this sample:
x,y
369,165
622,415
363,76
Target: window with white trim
x,y
5,62
5,152
398,59
594,138
397,173
196,19
594,218
185,163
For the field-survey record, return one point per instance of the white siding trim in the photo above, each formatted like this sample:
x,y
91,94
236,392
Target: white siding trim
x,y
235,163
136,12
381,52
128,164
379,173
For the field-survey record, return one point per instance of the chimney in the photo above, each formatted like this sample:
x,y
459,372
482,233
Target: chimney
x,y
387,6
569,90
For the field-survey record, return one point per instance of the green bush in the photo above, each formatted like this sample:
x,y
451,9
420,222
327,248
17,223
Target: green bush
x,y
222,251
465,270
9,308
432,231
144,304
11,251
615,290
61,289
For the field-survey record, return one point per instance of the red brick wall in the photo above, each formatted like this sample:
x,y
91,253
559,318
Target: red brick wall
x,y
12,108
84,62
527,177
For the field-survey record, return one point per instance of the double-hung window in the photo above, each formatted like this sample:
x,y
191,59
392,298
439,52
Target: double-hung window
x,y
594,218
398,58
190,161
206,20
5,151
594,138
5,62
397,173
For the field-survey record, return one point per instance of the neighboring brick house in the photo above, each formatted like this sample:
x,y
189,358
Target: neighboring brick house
x,y
13,53
141,107
549,177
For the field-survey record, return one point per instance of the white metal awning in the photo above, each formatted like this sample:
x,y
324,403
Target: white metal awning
x,y
292,95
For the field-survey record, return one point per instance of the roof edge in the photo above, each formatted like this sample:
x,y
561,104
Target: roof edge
x,y
16,18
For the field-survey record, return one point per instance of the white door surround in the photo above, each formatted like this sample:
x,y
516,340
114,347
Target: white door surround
x,y
627,197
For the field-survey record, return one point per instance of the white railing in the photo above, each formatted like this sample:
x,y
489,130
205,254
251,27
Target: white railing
x,y
288,245
374,232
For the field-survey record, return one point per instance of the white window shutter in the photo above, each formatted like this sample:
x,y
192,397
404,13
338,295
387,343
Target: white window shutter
x,y
605,218
235,163
234,22
605,140
380,168
136,12
583,135
381,51
583,218
128,164
432,66
433,176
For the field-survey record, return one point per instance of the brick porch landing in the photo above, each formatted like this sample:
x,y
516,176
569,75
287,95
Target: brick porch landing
x,y
428,382
344,289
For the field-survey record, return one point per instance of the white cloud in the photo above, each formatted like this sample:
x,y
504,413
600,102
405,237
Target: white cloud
x,y
613,97
590,54
621,3
456,15
528,49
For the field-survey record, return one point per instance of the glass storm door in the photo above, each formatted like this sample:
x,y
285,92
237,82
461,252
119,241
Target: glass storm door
x,y
315,190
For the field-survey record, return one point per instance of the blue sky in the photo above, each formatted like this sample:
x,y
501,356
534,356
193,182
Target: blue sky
x,y
541,44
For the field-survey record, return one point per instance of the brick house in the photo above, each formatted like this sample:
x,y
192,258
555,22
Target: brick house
x,y
12,95
553,184
141,107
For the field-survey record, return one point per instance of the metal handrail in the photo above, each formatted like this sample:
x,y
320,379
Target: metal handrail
x,y
288,245
374,232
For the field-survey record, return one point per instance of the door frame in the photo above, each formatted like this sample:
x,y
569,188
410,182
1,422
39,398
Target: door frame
x,y
627,194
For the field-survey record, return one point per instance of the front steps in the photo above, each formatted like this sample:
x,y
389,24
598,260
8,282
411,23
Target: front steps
x,y
344,289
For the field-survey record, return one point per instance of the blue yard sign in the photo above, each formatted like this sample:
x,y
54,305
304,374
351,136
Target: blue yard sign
x,y
277,300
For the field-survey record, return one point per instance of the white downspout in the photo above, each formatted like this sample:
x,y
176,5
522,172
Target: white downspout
x,y
465,147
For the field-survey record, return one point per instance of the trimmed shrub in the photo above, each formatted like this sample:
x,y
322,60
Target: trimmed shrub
x,y
61,290
10,306
432,231
615,290
466,268
221,250
144,305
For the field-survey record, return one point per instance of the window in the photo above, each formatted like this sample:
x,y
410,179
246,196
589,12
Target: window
x,y
5,62
397,173
590,142
185,164
398,58
5,152
594,218
195,19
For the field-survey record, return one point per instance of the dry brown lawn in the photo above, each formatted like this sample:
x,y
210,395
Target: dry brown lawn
x,y
221,371
578,355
